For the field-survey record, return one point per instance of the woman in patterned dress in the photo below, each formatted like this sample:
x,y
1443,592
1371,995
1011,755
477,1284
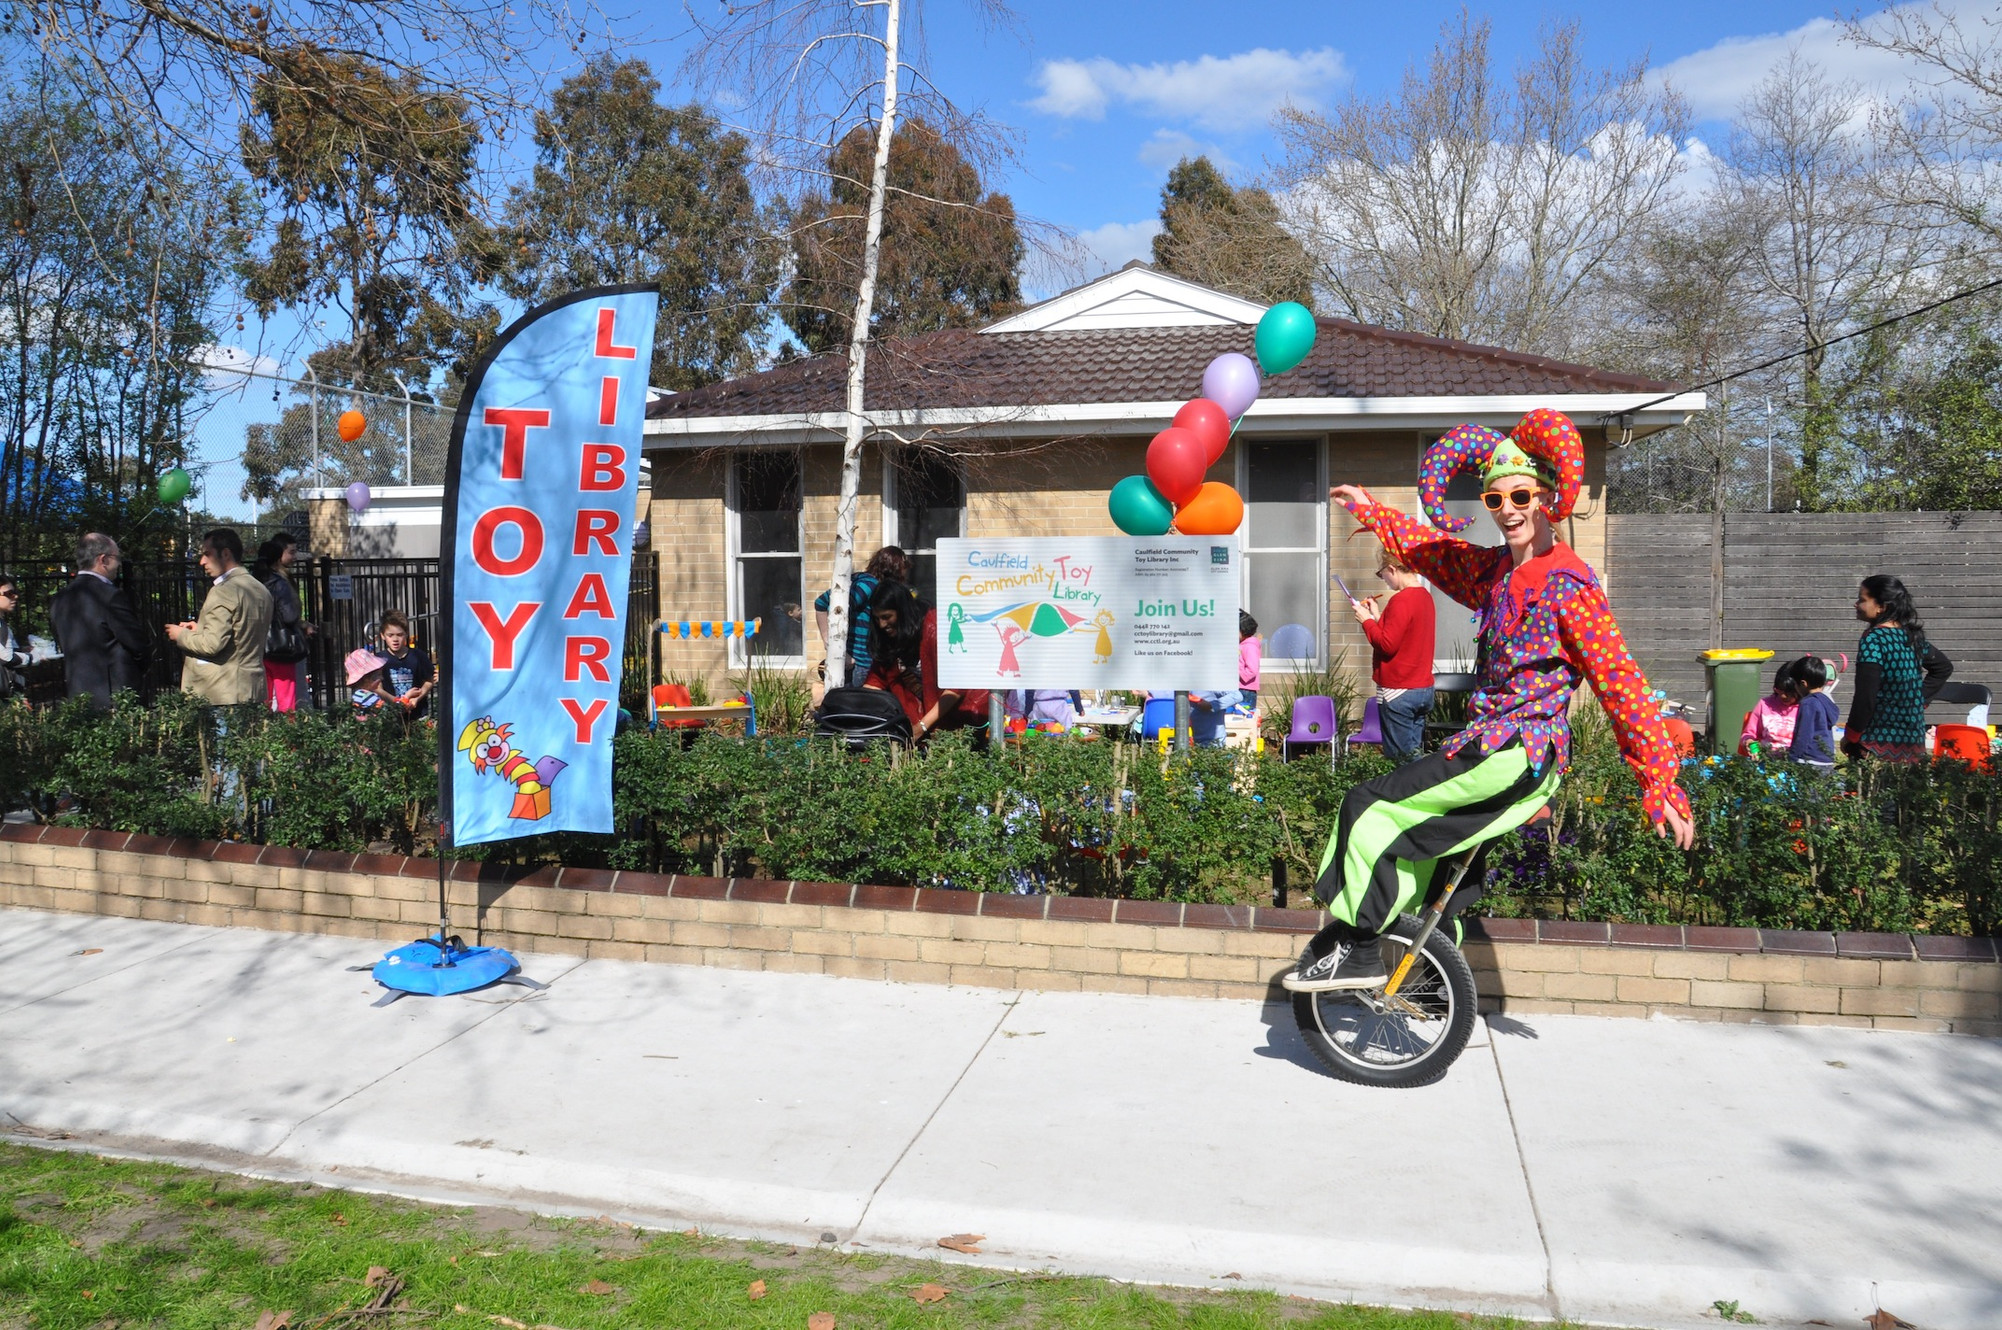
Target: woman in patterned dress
x,y
1545,625
1897,673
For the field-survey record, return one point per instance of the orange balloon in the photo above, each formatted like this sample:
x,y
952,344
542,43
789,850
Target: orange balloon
x,y
1215,511
352,424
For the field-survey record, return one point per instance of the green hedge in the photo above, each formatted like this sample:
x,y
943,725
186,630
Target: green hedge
x,y
1872,848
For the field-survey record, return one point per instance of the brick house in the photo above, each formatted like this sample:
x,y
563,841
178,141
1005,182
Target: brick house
x,y
1023,426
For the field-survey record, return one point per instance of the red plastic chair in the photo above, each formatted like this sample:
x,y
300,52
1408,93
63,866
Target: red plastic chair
x,y
1962,743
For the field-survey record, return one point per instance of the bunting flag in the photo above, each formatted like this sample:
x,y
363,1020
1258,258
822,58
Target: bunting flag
x,y
540,487
685,629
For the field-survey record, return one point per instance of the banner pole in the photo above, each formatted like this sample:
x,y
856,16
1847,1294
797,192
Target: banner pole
x,y
444,911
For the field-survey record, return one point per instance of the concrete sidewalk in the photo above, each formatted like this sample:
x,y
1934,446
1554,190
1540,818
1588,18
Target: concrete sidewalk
x,y
1617,1171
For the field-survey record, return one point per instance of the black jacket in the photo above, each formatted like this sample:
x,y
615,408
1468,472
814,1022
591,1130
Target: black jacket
x,y
105,646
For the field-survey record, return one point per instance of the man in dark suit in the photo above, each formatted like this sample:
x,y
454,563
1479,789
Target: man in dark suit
x,y
105,646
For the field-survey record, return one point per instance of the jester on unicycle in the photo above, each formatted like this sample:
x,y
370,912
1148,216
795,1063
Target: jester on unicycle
x,y
1383,997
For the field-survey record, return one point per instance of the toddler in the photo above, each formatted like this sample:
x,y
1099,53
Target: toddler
x,y
364,670
1814,722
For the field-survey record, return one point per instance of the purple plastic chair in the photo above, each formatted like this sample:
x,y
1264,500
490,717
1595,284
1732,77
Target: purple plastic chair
x,y
1313,723
1372,727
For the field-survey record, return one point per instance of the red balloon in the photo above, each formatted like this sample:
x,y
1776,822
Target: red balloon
x,y
1206,420
1176,461
1216,510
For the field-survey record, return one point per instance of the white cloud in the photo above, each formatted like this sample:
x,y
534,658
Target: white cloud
x,y
1718,78
1117,243
1169,146
1219,92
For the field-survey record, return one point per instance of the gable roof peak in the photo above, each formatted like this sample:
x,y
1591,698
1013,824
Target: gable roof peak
x,y
1138,295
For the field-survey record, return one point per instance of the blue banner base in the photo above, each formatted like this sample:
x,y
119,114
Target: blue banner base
x,y
435,967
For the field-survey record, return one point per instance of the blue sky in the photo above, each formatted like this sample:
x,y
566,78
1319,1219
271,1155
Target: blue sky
x,y
1106,97
1102,99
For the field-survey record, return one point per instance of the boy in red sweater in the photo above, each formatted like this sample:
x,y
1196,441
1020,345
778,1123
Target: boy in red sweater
x,y
1400,636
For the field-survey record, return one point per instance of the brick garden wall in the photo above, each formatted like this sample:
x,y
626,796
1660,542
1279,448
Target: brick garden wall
x,y
1883,981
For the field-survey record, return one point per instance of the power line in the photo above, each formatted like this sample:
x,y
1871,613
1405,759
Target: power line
x,y
1807,350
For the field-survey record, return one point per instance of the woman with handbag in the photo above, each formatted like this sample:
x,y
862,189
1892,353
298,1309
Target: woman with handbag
x,y
285,646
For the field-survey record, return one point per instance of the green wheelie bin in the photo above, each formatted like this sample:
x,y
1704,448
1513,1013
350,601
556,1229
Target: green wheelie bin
x,y
1734,684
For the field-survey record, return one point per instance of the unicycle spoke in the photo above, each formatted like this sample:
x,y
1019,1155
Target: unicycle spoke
x,y
1401,1029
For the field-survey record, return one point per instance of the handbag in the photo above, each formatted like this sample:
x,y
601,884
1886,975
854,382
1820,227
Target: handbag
x,y
283,642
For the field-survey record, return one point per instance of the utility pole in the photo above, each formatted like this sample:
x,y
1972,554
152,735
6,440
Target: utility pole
x,y
1769,454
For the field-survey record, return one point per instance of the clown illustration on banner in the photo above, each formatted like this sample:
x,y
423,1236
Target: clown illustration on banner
x,y
539,494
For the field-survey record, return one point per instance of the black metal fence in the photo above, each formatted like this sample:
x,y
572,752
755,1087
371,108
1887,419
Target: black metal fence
x,y
343,599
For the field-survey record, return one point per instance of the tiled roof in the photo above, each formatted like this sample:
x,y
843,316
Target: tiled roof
x,y
962,369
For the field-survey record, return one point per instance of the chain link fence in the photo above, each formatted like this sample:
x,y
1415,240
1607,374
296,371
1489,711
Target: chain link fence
x,y
265,438
1743,462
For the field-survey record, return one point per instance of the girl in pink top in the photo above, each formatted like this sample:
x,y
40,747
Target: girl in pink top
x,y
1770,724
1249,658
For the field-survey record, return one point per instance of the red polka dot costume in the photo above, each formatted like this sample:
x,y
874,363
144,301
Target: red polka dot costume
x,y
1543,627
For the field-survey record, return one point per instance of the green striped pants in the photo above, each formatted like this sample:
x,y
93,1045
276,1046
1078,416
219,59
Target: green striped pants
x,y
1395,829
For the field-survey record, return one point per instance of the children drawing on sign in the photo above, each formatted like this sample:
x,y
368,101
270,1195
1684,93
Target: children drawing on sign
x,y
1012,636
1102,653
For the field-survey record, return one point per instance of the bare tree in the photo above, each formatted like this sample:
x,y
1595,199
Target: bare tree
x,y
1830,245
1468,206
1947,137
809,72
187,70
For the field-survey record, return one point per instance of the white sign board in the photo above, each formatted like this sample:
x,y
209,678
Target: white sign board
x,y
1132,612
340,586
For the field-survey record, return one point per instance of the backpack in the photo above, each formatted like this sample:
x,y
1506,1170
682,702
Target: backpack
x,y
858,715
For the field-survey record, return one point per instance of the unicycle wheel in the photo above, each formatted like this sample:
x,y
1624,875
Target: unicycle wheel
x,y
1408,1040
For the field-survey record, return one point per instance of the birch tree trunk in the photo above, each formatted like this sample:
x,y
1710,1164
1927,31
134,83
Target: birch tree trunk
x,y
858,349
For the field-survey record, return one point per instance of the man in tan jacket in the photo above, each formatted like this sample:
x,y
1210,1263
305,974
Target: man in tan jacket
x,y
225,648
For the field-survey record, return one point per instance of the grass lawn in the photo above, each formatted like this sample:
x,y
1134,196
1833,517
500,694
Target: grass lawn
x,y
95,1244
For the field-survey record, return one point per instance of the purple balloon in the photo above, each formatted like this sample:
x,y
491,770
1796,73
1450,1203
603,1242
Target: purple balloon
x,y
358,496
1231,382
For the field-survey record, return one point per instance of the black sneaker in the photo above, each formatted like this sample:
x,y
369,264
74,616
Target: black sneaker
x,y
1349,965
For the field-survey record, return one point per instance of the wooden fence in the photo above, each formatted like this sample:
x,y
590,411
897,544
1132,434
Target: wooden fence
x,y
1787,582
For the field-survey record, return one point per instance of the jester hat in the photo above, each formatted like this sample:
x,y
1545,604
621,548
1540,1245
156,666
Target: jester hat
x,y
1544,443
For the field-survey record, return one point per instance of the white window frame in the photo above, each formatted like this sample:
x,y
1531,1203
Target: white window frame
x,y
739,653
1319,443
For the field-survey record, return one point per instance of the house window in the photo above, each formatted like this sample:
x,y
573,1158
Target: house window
x,y
924,501
1286,550
767,572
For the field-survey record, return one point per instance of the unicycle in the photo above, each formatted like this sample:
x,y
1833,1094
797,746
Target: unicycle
x,y
1408,1032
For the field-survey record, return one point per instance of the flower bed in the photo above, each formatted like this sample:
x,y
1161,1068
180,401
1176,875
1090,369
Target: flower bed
x,y
1874,849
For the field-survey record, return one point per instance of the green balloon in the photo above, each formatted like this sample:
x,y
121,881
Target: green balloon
x,y
1138,508
174,486
1285,336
